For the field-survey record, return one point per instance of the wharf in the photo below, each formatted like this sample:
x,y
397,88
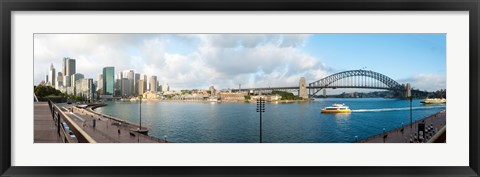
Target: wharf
x,y
405,134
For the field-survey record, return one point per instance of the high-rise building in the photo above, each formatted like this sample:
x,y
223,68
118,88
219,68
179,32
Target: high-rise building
x,y
140,88
84,88
68,71
99,83
145,80
51,76
118,84
108,80
73,79
128,83
69,66
153,84
136,79
125,87
59,81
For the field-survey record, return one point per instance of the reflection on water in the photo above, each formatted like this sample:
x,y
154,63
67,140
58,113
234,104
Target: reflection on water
x,y
282,122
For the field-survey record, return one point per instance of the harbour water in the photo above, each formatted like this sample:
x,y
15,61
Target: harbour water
x,y
298,122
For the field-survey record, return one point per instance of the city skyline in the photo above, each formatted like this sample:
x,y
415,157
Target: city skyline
x,y
197,61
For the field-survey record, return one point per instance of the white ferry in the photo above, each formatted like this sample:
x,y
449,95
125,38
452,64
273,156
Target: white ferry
x,y
336,108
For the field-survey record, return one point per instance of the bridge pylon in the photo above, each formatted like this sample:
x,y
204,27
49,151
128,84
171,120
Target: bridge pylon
x,y
302,91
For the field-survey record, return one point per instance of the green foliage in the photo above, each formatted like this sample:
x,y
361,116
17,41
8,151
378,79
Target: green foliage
x,y
209,92
247,97
43,91
186,92
286,95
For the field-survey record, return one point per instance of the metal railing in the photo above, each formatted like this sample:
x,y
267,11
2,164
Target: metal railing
x,y
439,137
59,117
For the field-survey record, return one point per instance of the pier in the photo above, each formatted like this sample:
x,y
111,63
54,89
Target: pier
x,y
408,134
79,125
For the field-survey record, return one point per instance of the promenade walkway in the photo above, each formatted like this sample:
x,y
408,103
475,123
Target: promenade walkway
x,y
44,127
105,130
406,134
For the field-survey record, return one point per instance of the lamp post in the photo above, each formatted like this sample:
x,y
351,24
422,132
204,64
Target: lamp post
x,y
140,113
260,109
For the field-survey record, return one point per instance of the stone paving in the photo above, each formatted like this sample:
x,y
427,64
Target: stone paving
x,y
408,134
106,130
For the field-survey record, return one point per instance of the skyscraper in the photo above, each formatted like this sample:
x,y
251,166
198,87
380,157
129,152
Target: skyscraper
x,y
137,78
68,66
140,88
144,77
100,82
153,84
118,84
51,76
108,80
73,78
59,81
128,82
68,71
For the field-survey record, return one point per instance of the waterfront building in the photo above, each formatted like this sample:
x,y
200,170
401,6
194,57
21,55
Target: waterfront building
x,y
153,84
140,88
51,76
108,80
233,97
75,77
165,88
150,95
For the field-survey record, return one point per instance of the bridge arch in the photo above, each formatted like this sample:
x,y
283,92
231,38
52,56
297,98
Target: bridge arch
x,y
355,79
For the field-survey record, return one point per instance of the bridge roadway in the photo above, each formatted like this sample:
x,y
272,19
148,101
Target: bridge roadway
x,y
106,130
312,87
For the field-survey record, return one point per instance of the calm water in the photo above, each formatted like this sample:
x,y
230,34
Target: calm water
x,y
198,122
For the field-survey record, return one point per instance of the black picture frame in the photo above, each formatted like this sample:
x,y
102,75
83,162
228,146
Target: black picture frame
x,y
8,6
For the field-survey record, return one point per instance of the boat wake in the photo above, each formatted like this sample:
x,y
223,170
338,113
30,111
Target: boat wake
x,y
396,109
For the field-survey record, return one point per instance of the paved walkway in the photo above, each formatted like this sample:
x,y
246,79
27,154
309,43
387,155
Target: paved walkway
x,y
406,134
44,127
106,130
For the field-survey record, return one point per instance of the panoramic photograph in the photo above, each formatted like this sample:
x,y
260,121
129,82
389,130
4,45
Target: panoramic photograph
x,y
239,88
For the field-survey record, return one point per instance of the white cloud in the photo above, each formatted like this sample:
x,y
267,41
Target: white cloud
x,y
429,82
224,60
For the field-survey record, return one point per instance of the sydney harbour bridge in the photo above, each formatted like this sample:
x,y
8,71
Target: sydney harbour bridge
x,y
363,79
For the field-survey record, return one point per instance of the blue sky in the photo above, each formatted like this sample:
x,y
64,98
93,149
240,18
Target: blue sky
x,y
253,60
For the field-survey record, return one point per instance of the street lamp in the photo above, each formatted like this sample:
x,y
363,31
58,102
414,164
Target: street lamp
x,y
140,113
260,109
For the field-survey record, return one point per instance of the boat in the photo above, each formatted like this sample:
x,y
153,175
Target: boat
x,y
434,101
336,108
